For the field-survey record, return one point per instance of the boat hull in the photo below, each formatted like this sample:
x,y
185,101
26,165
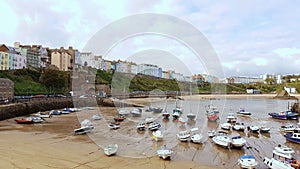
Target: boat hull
x,y
289,136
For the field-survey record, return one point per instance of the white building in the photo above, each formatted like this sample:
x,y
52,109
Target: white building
x,y
91,60
151,70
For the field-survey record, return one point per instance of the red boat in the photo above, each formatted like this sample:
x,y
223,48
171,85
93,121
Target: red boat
x,y
25,121
212,113
119,119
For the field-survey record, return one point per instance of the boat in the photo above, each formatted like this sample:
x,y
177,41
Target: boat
x,y
191,116
238,142
183,135
226,126
136,112
264,129
86,122
294,136
27,120
211,133
113,126
69,110
42,115
175,114
55,112
254,129
182,120
164,153
149,120
165,114
212,113
123,112
97,117
157,135
238,126
287,128
83,129
222,139
119,119
285,115
111,149
36,119
154,126
243,112
247,161
140,126
155,109
195,136
282,158
231,118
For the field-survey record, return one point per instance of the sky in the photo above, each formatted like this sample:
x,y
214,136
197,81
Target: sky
x,y
250,37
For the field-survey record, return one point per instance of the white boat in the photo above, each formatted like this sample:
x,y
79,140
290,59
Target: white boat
x,y
83,130
176,114
289,128
243,112
113,126
111,149
164,153
254,129
225,126
41,115
247,161
264,129
149,120
238,142
211,133
97,117
154,126
196,137
86,122
231,118
123,112
191,116
222,139
182,120
276,164
238,126
157,135
283,151
183,135
165,114
37,119
136,112
140,126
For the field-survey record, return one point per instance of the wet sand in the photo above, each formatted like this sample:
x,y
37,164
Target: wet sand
x,y
52,144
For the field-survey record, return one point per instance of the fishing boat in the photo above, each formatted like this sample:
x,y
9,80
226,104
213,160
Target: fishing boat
x,y
176,112
238,126
238,142
243,112
212,113
183,135
191,116
154,126
195,136
247,161
287,128
83,130
140,126
113,126
97,117
264,129
111,149
254,129
226,126
211,133
222,139
27,120
284,151
164,153
157,135
55,112
294,136
285,115
231,118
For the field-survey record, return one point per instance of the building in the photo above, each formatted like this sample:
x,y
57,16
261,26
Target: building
x,y
32,56
6,89
165,74
89,59
198,78
290,89
149,69
61,59
243,80
133,68
5,57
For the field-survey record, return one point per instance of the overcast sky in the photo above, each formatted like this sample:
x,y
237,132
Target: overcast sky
x,y
250,37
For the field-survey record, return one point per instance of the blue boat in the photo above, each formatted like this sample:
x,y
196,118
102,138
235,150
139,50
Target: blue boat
x,y
285,115
293,137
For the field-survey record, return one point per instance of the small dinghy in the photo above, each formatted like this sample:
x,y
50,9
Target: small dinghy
x,y
195,135
83,130
247,161
211,133
238,127
113,126
111,149
264,129
164,153
222,139
243,112
149,120
238,142
253,129
97,117
183,135
157,135
226,126
154,126
231,118
289,128
141,126
191,116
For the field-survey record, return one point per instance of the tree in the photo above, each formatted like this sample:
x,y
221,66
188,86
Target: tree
x,y
269,80
54,80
